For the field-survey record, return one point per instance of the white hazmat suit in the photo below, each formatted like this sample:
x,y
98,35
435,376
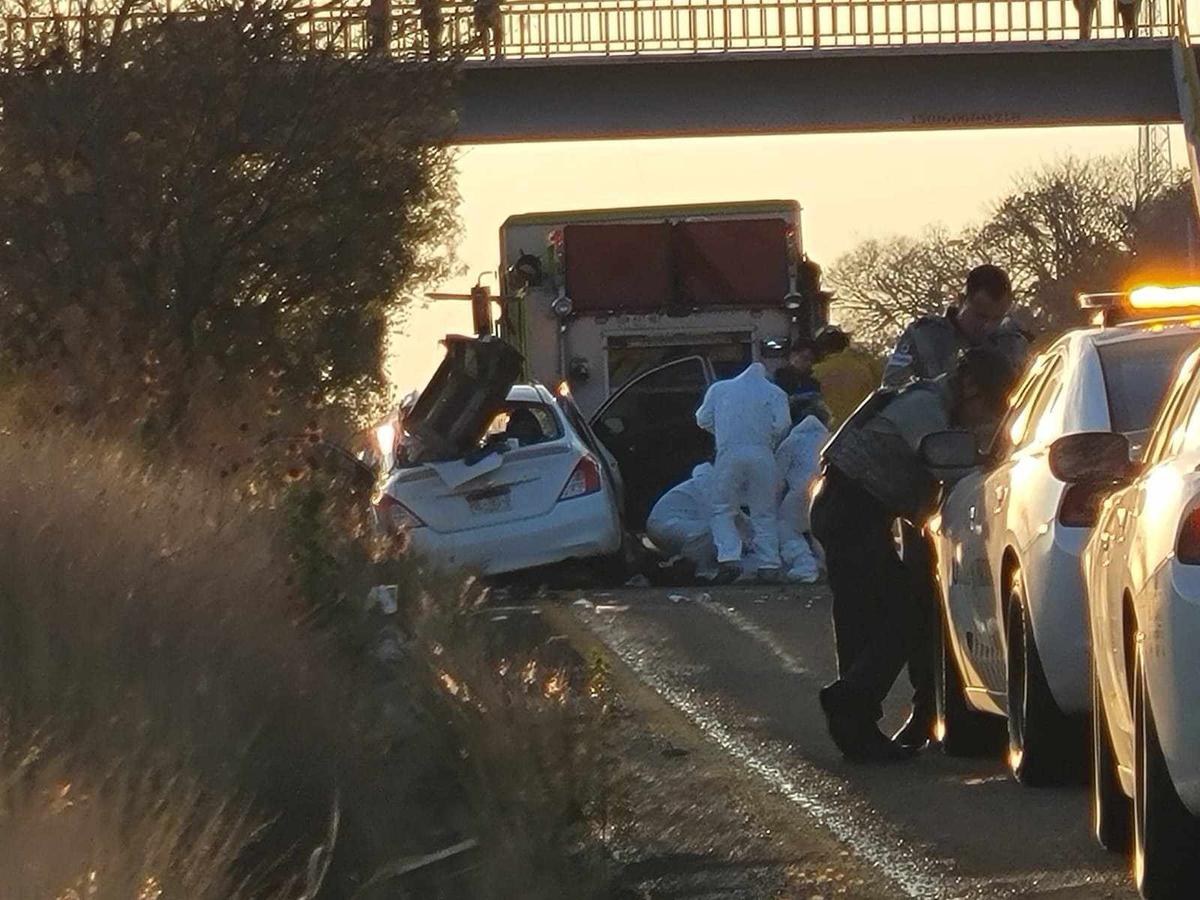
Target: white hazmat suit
x,y
799,460
681,522
749,416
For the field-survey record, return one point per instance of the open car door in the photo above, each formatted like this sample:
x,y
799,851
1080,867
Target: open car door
x,y
649,426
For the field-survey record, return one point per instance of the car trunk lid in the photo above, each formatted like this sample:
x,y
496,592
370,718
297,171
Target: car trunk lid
x,y
463,397
511,485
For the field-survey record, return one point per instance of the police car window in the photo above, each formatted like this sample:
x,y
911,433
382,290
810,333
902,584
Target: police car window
x,y
1042,419
1186,434
1186,431
1023,414
1016,422
1166,425
1137,373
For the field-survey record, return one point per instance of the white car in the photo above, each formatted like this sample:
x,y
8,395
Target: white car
x,y
539,490
1008,541
1142,567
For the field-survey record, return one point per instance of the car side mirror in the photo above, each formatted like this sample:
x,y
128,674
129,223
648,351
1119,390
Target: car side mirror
x,y
954,449
1091,456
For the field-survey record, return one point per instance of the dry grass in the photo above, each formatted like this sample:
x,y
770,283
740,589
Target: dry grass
x,y
211,706
127,836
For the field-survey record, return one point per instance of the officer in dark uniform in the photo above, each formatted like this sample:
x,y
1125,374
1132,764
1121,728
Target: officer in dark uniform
x,y
872,475
928,346
927,349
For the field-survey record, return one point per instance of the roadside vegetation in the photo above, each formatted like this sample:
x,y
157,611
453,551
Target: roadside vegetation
x,y
205,231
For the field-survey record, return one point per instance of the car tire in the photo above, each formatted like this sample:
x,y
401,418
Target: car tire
x,y
1112,811
1166,855
960,730
1044,746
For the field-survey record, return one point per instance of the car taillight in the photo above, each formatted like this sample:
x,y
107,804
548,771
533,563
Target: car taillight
x,y
583,481
1081,504
395,517
1187,549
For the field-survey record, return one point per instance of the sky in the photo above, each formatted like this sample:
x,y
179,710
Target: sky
x,y
851,187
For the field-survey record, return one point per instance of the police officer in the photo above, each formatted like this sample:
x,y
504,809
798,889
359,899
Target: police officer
x,y
927,349
872,475
928,346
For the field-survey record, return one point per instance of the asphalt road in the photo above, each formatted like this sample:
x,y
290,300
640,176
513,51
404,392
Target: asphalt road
x,y
743,665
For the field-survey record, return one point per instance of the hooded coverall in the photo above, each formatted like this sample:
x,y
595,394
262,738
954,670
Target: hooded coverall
x,y
799,461
748,415
681,521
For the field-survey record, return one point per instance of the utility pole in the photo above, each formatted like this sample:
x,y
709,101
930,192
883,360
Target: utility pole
x,y
1154,141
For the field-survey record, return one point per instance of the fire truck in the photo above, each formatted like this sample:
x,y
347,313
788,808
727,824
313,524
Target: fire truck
x,y
595,299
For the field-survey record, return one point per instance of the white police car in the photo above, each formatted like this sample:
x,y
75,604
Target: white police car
x,y
1142,570
1008,541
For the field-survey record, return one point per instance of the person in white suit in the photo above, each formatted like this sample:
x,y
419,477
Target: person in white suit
x,y
799,462
748,416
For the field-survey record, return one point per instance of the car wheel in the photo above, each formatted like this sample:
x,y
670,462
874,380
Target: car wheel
x,y
1043,745
1166,853
960,730
1111,809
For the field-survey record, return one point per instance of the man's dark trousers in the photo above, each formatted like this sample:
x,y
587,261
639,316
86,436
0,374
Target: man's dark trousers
x,y
874,605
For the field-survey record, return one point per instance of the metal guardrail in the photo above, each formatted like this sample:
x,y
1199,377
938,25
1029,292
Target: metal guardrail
x,y
546,29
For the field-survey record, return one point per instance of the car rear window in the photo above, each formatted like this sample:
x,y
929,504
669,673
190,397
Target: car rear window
x,y
1137,374
528,423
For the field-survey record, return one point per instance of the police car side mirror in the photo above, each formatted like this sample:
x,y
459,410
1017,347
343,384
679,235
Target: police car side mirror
x,y
1091,456
955,449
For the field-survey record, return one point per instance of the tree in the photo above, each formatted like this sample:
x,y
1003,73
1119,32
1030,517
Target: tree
x,y
883,285
220,199
1063,229
1072,226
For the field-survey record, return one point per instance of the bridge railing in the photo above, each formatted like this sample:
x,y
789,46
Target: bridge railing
x,y
543,29
548,28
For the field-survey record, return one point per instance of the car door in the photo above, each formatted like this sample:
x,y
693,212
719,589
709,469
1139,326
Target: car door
x,y
612,470
1018,497
649,426
967,523
1122,557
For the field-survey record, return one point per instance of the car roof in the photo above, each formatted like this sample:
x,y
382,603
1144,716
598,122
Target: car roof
x,y
1145,329
529,393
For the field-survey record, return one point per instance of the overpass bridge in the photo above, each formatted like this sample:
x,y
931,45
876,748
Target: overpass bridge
x,y
593,69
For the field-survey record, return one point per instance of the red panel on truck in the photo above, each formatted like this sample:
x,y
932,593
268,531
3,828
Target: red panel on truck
x,y
739,262
618,267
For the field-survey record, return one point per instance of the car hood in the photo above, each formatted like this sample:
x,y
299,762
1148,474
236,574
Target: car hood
x,y
461,400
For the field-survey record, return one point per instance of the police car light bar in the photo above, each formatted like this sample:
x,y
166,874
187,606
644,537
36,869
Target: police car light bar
x,y
1144,302
1155,297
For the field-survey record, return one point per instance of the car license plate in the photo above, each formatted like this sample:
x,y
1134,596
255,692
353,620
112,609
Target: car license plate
x,y
484,504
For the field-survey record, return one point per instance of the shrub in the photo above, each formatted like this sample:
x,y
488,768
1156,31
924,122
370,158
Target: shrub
x,y
153,620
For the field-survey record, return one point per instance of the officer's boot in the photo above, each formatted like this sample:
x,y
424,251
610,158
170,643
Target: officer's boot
x,y
918,730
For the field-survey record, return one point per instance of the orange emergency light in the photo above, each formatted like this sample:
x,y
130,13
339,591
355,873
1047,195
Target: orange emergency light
x,y
1146,302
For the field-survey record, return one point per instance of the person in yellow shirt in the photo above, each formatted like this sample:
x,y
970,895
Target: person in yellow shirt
x,y
848,375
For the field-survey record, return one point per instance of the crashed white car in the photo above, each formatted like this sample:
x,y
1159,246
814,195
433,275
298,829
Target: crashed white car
x,y
539,490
